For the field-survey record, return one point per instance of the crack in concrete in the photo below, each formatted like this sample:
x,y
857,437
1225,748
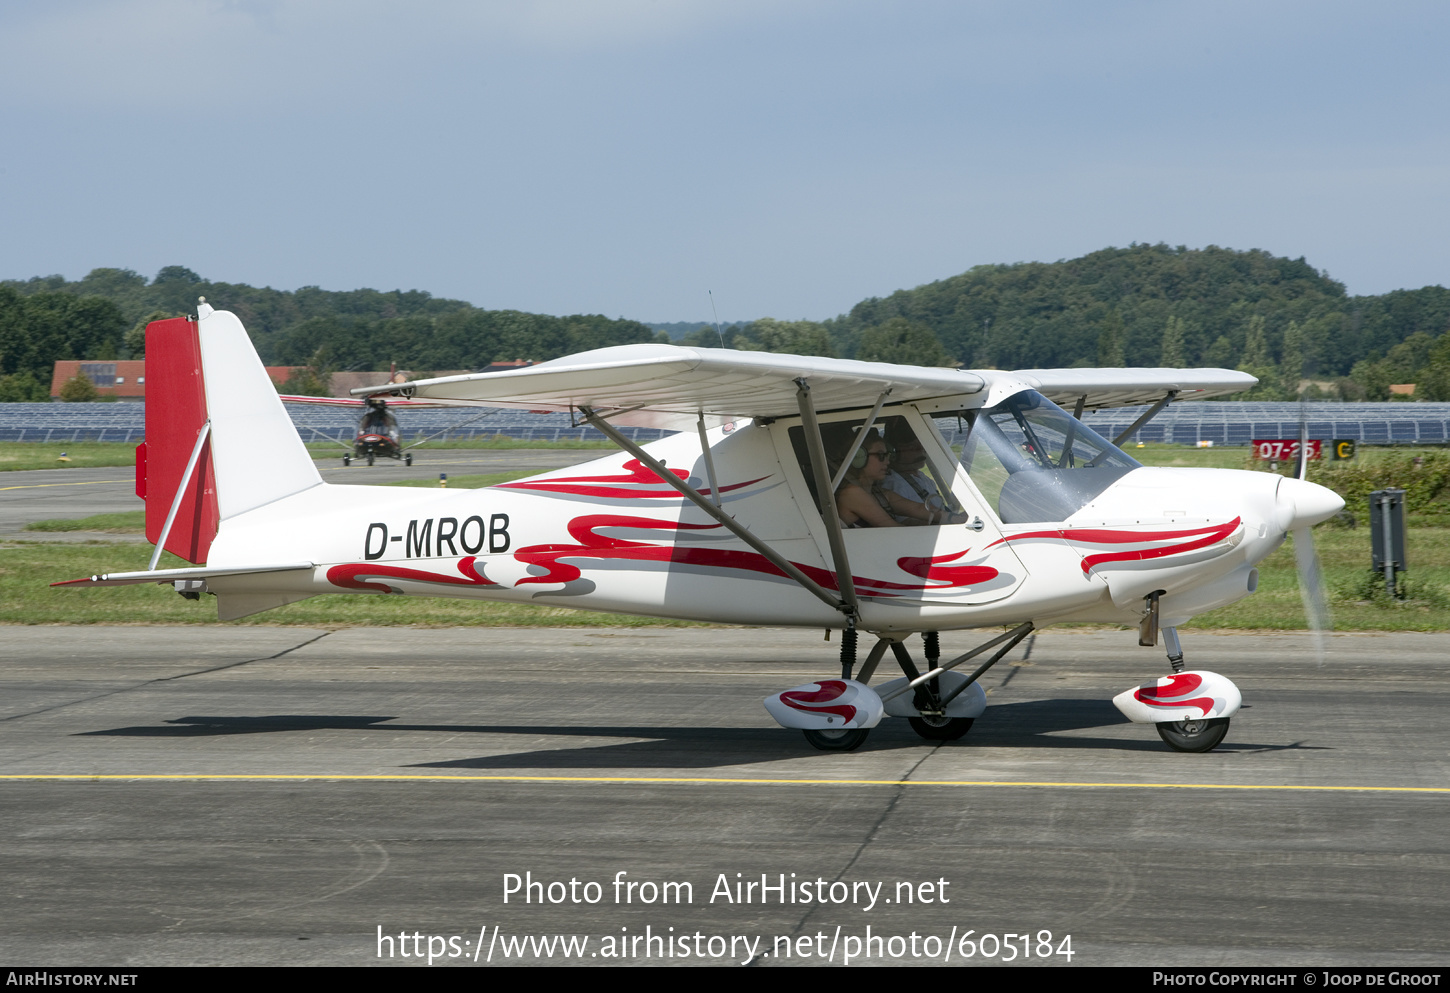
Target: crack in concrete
x,y
164,679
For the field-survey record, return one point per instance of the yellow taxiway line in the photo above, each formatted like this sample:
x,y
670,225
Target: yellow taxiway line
x,y
39,486
701,780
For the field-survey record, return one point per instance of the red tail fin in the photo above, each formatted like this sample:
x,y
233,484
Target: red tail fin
x,y
175,413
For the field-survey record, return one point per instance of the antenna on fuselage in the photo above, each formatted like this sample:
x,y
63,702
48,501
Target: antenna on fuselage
x,y
717,318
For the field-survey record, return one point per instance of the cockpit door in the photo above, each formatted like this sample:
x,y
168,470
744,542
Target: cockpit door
x,y
954,557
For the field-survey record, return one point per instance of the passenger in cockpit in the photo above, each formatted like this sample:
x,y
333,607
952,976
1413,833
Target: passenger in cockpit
x,y
908,486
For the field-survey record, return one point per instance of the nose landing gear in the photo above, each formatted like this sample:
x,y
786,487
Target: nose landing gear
x,y
1190,709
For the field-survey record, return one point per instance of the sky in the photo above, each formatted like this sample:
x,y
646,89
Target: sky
x,y
790,157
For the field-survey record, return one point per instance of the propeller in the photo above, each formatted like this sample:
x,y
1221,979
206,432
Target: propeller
x,y
1306,557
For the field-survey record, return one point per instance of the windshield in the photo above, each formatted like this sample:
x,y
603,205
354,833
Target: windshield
x,y
1034,462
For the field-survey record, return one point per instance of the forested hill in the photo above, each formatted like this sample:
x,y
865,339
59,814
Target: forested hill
x,y
350,330
1118,302
1144,305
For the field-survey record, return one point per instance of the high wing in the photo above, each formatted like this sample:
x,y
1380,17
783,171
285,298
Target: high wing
x,y
671,385
355,404
1123,387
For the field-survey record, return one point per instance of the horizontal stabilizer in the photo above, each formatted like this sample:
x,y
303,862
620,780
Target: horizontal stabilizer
x,y
172,575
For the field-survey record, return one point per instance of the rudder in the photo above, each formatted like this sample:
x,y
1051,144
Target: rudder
x,y
175,413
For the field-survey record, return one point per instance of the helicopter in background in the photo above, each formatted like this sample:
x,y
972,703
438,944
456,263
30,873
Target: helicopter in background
x,y
377,433
377,436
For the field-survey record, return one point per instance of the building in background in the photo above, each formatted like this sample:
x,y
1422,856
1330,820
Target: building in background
x,y
126,379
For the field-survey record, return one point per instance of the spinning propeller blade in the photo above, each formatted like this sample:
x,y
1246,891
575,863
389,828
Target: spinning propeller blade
x,y
1306,557
1311,589
1303,443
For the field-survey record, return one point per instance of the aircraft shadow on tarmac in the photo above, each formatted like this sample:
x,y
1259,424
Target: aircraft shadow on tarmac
x,y
1028,724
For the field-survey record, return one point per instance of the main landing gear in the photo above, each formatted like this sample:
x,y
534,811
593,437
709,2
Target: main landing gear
x,y
836,715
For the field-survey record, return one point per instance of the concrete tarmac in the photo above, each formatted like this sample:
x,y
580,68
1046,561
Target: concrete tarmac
x,y
278,796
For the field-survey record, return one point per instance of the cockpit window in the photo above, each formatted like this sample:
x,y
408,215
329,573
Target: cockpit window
x,y
1036,463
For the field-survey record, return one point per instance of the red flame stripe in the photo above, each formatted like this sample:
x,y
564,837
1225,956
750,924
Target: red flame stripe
x,y
639,475
347,576
1090,536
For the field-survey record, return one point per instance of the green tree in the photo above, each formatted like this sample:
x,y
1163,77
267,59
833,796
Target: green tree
x,y
1256,363
305,382
312,380
79,389
1110,342
1437,372
786,337
22,387
1220,354
1291,359
1171,353
903,342
135,339
1407,362
1256,344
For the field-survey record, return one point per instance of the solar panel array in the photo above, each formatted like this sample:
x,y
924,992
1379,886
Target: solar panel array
x,y
1238,423
126,422
1223,423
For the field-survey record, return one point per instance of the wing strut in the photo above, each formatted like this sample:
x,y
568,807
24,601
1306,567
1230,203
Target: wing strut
x,y
709,459
1148,415
826,497
1011,638
734,526
860,440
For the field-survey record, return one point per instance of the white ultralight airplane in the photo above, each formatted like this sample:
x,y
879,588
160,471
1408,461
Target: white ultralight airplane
x,y
1038,519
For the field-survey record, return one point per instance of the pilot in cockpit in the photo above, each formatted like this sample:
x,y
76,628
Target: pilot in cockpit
x,y
862,499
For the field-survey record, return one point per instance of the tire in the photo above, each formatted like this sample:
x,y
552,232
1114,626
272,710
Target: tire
x,y
844,740
370,458
1193,736
347,460
408,459
940,728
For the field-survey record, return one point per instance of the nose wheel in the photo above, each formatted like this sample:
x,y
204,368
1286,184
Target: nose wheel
x,y
1193,736
836,739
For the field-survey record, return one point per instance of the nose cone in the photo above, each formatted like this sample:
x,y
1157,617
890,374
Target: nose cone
x,y
1302,503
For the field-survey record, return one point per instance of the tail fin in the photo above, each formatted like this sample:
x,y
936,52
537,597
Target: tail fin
x,y
207,370
259,456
